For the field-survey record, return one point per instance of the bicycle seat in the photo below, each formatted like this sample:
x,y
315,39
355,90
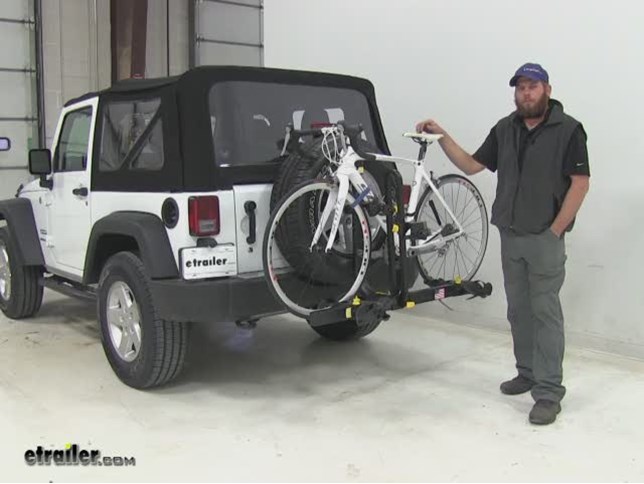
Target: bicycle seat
x,y
423,137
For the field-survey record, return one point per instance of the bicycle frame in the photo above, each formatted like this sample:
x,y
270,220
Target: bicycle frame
x,y
420,176
348,175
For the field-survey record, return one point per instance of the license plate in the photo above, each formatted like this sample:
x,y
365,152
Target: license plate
x,y
203,262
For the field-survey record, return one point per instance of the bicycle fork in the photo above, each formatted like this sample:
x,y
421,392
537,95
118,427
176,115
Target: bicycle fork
x,y
335,203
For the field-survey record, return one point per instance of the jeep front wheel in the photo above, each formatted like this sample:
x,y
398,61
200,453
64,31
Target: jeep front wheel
x,y
20,288
143,350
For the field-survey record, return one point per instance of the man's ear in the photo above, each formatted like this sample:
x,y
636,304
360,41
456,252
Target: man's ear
x,y
548,89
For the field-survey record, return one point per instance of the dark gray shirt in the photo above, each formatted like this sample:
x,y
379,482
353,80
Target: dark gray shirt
x,y
576,157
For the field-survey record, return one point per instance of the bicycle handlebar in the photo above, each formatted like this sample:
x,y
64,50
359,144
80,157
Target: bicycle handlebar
x,y
352,132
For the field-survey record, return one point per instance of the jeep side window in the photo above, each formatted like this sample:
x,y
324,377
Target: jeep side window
x,y
71,152
132,133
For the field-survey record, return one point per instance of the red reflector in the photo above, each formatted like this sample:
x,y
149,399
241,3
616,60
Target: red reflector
x,y
318,125
406,194
203,216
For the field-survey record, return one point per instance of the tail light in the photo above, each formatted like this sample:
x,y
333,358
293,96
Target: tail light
x,y
203,216
319,125
406,194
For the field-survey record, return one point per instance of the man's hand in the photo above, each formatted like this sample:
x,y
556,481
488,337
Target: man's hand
x,y
579,185
430,126
454,152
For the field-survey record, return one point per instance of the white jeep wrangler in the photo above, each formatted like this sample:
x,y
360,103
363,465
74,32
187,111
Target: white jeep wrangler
x,y
154,199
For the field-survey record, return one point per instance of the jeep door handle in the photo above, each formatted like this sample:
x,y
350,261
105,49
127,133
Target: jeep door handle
x,y
80,191
249,208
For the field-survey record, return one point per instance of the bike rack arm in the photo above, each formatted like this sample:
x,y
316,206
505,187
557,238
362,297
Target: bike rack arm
x,y
375,307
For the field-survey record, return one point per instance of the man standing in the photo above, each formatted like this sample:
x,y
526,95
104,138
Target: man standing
x,y
540,156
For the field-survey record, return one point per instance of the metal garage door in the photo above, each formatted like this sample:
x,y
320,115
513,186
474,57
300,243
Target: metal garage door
x,y
227,32
19,101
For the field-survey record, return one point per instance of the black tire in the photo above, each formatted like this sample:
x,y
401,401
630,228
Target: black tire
x,y
309,164
305,164
345,330
313,274
428,273
163,344
22,295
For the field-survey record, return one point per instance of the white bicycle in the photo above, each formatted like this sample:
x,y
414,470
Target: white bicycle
x,y
317,245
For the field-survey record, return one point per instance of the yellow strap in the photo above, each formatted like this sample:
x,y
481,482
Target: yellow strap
x,y
347,313
410,304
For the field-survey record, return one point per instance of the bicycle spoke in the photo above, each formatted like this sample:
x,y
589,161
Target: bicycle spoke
x,y
472,246
454,202
470,223
458,198
463,256
465,259
443,265
475,210
436,259
460,273
460,215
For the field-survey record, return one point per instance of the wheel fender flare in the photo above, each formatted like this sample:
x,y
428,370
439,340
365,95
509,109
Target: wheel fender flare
x,y
19,215
145,229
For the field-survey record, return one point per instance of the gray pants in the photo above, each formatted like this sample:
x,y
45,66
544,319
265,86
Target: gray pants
x,y
534,271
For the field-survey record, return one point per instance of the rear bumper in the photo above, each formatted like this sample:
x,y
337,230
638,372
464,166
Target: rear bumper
x,y
214,300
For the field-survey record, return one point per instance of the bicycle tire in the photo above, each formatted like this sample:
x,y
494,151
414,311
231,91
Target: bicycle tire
x,y
308,164
305,266
429,270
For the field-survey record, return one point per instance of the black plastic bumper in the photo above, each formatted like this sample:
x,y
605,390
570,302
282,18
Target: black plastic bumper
x,y
214,300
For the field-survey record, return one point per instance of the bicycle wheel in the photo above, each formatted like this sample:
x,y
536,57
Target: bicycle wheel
x,y
308,164
303,278
460,257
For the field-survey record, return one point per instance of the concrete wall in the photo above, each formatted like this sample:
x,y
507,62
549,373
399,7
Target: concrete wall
x,y
452,61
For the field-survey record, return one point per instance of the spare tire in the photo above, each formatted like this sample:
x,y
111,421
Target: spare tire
x,y
309,163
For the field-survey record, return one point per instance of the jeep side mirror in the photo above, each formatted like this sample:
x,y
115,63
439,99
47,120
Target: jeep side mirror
x,y
40,164
5,144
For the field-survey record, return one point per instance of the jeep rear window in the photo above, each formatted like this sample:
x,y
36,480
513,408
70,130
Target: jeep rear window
x,y
132,131
248,119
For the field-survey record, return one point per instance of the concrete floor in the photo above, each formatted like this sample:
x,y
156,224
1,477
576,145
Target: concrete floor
x,y
417,400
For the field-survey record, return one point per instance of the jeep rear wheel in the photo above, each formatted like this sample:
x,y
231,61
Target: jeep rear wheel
x,y
143,350
20,289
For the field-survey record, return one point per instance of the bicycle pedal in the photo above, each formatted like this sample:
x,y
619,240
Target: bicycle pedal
x,y
419,230
448,229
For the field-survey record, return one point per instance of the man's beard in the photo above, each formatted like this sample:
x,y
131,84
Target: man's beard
x,y
537,110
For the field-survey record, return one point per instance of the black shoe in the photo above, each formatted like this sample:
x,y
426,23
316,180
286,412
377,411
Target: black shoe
x,y
518,385
544,412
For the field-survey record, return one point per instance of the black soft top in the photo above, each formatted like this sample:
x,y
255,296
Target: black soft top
x,y
198,78
186,105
